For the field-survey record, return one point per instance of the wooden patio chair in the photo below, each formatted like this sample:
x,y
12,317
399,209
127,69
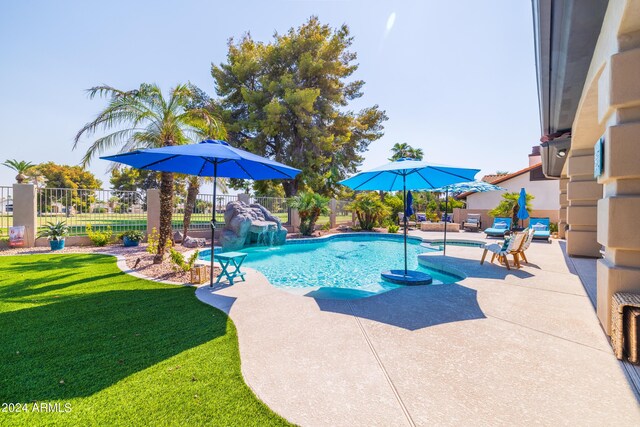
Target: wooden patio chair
x,y
501,251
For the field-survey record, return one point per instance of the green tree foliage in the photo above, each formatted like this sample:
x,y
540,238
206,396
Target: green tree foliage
x,y
145,118
310,206
288,100
395,204
369,209
509,207
66,177
404,150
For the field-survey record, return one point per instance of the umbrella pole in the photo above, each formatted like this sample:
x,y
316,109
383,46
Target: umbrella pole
x,y
446,215
404,192
213,221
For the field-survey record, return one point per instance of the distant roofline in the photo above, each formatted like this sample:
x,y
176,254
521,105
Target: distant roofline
x,y
504,178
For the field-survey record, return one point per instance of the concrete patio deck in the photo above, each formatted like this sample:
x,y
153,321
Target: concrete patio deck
x,y
498,348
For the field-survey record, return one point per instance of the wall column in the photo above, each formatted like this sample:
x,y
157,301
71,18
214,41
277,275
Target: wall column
x,y
562,222
24,211
153,210
618,211
583,193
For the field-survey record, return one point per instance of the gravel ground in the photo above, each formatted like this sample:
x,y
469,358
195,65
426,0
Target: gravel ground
x,y
138,259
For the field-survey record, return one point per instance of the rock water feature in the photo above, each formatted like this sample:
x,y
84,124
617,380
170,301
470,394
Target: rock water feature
x,y
250,225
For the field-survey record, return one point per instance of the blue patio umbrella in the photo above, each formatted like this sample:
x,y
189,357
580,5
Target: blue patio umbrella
x,y
212,158
406,174
462,187
408,211
522,203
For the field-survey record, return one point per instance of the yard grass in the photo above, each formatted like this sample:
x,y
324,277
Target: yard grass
x,y
117,349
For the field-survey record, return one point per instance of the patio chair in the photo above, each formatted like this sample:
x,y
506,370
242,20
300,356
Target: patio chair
x,y
446,218
540,228
401,220
501,251
525,245
500,226
473,222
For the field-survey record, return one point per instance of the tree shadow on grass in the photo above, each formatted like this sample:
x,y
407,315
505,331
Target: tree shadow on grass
x,y
33,287
80,345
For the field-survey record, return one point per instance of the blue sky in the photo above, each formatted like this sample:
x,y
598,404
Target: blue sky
x,y
456,79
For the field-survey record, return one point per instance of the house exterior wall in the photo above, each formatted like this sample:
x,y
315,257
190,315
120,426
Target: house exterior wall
x,y
545,193
609,107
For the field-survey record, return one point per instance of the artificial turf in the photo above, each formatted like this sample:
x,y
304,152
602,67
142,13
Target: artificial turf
x,y
84,344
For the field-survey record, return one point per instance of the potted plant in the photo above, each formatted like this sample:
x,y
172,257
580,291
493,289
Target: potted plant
x,y
132,237
55,232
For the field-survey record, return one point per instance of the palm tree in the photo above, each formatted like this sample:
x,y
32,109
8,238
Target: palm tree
x,y
144,118
192,192
509,207
404,150
21,167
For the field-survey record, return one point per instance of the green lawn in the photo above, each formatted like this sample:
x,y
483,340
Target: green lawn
x,y
119,350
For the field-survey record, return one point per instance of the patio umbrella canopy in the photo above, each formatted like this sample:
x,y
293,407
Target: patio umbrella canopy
x,y
409,174
522,205
212,158
461,187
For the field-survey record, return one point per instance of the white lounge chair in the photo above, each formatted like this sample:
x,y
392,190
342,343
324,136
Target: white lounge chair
x,y
501,251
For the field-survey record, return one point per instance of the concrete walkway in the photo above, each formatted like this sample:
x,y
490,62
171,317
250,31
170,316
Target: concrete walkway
x,y
498,348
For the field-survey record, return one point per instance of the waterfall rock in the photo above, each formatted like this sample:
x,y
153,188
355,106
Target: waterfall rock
x,y
248,224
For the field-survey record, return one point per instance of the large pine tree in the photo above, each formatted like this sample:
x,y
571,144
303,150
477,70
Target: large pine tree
x,y
288,100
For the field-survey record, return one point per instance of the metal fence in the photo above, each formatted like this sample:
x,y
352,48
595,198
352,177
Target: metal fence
x,y
277,206
201,215
6,210
120,210
343,216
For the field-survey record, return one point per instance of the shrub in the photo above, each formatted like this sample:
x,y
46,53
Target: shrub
x,y
326,227
310,206
553,227
135,235
396,205
369,210
393,228
152,241
179,262
100,210
99,238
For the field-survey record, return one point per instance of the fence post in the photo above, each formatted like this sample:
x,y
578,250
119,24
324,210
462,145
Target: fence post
x,y
333,206
153,210
295,220
244,198
24,211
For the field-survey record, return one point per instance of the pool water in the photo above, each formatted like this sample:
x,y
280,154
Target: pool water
x,y
341,264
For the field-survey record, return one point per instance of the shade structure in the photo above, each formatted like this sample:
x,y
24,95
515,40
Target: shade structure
x,y
462,187
409,174
522,203
211,158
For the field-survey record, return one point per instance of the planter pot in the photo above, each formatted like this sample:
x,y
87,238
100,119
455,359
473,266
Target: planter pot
x,y
128,242
56,245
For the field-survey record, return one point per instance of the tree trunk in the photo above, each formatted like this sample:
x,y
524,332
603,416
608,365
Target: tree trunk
x,y
166,211
290,187
189,204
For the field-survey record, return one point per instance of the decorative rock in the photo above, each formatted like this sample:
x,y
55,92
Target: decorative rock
x,y
177,237
244,223
193,242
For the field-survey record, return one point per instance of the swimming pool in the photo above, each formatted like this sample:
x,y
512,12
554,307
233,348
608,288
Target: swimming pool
x,y
345,266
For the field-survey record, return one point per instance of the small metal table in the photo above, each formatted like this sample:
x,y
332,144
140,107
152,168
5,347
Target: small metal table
x,y
227,260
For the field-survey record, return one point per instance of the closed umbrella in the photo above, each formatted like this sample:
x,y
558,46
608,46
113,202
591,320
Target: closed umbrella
x,y
212,158
410,174
462,187
522,203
